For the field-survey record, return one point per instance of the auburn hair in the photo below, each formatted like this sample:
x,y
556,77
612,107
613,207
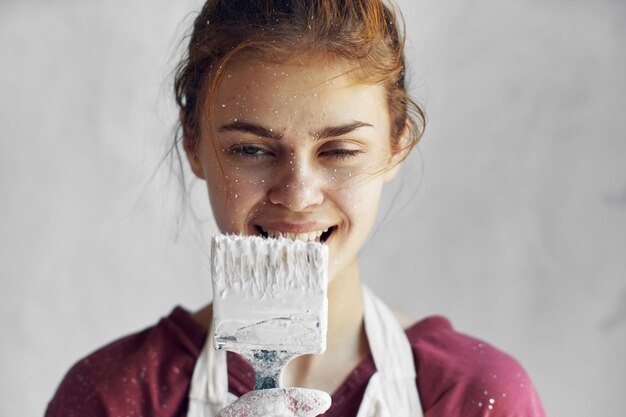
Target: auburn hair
x,y
364,33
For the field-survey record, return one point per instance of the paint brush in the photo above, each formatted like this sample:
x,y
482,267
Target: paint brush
x,y
269,301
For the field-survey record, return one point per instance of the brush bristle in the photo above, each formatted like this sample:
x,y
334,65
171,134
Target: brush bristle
x,y
269,294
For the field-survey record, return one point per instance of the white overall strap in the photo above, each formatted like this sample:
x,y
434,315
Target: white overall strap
x,y
391,392
208,393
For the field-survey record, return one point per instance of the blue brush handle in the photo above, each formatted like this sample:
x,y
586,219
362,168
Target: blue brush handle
x,y
268,366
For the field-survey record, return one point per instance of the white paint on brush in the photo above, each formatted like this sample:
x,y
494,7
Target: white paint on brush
x,y
269,294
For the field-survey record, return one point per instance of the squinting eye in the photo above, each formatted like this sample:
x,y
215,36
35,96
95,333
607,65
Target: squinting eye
x,y
249,151
342,153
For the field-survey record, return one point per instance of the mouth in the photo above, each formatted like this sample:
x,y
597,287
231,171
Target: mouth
x,y
320,236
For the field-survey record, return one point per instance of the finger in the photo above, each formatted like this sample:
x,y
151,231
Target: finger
x,y
308,402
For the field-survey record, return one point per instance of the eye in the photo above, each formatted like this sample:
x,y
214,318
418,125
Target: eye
x,y
342,153
249,151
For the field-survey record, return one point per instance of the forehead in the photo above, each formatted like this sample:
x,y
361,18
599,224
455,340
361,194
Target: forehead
x,y
293,90
299,74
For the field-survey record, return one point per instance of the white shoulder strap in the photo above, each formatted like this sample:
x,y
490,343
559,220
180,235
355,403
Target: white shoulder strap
x,y
209,383
392,390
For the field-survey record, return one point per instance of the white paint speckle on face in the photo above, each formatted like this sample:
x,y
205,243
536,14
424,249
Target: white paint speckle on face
x,y
296,181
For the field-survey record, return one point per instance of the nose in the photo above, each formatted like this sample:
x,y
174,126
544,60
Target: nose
x,y
297,186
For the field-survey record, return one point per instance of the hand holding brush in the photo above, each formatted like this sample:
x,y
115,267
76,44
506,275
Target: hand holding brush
x,y
279,402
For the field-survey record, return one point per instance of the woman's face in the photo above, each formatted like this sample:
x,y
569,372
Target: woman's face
x,y
296,150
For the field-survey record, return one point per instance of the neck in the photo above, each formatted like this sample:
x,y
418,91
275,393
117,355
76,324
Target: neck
x,y
345,307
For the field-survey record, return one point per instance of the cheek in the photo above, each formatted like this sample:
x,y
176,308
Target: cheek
x,y
358,201
231,182
360,188
235,196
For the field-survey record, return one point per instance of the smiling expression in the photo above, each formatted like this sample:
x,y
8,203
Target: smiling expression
x,y
299,150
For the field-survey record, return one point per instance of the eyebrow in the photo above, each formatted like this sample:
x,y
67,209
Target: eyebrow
x,y
334,131
251,128
262,131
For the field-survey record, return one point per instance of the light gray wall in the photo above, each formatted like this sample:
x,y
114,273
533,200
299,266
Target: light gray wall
x,y
514,231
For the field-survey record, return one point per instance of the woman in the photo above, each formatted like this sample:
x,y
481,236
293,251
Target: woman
x,y
295,114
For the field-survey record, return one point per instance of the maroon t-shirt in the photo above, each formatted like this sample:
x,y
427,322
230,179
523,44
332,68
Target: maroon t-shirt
x,y
148,374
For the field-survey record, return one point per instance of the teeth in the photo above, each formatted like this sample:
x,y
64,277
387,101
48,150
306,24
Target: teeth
x,y
306,237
